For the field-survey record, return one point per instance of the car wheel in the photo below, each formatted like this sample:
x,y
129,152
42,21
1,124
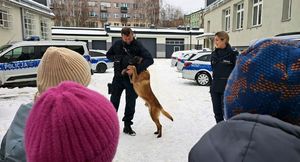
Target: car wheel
x,y
203,79
101,68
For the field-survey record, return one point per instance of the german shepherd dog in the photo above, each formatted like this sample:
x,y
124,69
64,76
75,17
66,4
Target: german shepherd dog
x,y
141,85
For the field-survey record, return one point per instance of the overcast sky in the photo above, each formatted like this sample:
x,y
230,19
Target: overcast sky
x,y
187,6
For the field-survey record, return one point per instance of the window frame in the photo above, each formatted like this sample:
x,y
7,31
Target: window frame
x,y
259,5
288,10
227,20
240,16
29,24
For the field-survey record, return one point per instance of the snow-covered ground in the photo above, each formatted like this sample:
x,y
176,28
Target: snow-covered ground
x,y
188,103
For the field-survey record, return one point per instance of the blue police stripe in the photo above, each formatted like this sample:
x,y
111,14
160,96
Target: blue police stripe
x,y
19,65
96,60
198,67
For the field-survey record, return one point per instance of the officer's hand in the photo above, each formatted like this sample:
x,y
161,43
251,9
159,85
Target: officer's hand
x,y
124,72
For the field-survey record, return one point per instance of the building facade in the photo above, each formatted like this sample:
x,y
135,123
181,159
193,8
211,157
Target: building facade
x,y
195,19
161,43
97,13
22,19
249,20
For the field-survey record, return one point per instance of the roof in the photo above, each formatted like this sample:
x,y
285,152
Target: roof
x,y
32,5
205,35
79,31
157,31
25,43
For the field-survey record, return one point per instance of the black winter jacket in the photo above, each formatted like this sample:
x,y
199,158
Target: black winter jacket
x,y
222,62
249,138
123,54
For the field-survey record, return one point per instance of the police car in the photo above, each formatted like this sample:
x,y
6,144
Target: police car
x,y
190,56
99,61
198,69
179,55
19,60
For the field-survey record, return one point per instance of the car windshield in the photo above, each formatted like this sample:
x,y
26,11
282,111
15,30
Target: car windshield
x,y
4,47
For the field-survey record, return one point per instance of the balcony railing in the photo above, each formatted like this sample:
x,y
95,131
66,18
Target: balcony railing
x,y
124,9
103,9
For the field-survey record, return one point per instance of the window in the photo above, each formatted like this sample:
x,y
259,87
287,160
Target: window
x,y
19,54
135,6
96,54
92,14
175,42
117,16
44,29
78,49
227,20
142,25
176,48
4,19
29,22
125,16
257,12
287,10
106,4
117,5
135,25
205,58
116,24
208,26
104,15
239,16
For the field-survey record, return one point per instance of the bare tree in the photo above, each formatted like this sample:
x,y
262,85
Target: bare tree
x,y
170,16
70,12
147,11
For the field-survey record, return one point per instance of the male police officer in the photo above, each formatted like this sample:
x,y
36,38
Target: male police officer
x,y
125,52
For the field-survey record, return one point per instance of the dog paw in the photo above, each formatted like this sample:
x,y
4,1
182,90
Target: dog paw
x,y
156,132
159,136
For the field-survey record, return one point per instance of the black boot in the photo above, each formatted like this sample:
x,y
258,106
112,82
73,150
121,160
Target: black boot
x,y
128,130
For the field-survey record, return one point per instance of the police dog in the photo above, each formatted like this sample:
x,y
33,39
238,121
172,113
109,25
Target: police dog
x,y
141,85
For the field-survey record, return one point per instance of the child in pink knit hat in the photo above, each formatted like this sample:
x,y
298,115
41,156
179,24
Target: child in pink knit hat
x,y
70,123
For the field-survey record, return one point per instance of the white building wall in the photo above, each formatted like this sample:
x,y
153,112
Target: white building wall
x,y
272,23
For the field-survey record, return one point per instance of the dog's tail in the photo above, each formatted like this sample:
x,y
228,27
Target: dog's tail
x,y
167,114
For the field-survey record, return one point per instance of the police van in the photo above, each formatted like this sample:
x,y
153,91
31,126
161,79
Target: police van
x,y
99,61
19,60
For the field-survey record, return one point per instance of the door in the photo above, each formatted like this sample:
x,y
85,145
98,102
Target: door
x,y
149,44
173,45
20,64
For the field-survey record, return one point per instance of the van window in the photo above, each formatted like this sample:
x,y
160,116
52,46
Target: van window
x,y
40,50
18,54
78,49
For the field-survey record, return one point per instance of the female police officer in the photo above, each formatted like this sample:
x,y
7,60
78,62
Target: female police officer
x,y
222,61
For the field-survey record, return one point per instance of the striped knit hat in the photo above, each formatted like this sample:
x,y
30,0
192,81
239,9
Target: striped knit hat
x,y
70,123
266,80
60,64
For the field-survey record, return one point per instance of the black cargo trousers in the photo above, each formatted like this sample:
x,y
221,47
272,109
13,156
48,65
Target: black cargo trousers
x,y
119,84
